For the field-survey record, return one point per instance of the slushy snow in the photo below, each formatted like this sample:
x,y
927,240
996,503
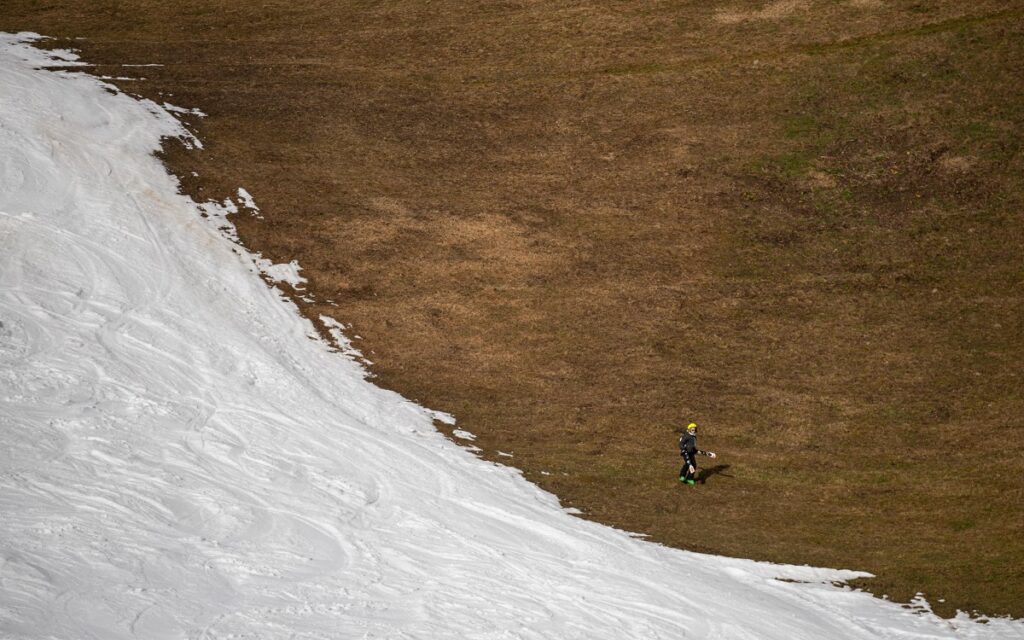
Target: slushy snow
x,y
182,457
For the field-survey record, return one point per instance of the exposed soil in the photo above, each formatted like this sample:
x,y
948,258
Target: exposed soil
x,y
578,226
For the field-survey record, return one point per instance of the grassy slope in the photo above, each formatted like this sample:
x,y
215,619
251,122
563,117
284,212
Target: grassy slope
x,y
577,226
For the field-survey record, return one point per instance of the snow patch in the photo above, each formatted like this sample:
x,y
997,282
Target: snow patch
x,y
337,332
247,201
174,108
284,272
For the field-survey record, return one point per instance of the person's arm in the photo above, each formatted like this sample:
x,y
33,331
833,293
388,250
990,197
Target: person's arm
x,y
710,454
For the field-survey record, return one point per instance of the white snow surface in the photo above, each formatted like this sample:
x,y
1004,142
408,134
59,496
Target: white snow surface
x,y
284,272
246,199
180,459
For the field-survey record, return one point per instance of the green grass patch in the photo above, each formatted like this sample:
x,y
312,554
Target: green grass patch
x,y
790,164
962,524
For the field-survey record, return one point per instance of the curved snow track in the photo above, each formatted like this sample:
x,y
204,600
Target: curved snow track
x,y
179,459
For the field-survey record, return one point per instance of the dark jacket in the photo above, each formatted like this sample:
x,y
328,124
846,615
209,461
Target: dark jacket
x,y
688,448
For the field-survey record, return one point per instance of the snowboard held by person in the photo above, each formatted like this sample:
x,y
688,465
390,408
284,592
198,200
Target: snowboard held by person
x,y
688,449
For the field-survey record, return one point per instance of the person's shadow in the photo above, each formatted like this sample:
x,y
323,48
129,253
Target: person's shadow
x,y
717,470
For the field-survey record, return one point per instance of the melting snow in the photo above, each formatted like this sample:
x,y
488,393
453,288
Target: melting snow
x,y
246,199
284,272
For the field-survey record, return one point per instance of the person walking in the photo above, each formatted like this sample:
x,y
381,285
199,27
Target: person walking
x,y
688,449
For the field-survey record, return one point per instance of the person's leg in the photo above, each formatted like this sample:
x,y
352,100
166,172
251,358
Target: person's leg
x,y
685,475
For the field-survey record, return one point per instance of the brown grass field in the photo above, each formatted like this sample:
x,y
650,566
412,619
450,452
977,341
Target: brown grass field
x,y
578,226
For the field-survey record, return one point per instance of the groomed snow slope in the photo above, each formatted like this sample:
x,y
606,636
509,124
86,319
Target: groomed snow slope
x,y
179,459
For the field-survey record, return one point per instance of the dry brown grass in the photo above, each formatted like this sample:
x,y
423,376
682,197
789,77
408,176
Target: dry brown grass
x,y
579,225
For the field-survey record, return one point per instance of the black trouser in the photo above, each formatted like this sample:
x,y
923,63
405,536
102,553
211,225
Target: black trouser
x,y
684,473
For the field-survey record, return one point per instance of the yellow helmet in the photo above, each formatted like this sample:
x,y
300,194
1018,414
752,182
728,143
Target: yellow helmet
x,y
691,428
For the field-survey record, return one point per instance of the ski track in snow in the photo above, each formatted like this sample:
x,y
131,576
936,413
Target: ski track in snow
x,y
179,459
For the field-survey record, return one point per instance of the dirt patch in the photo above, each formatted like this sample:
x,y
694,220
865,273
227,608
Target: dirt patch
x,y
577,226
957,164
